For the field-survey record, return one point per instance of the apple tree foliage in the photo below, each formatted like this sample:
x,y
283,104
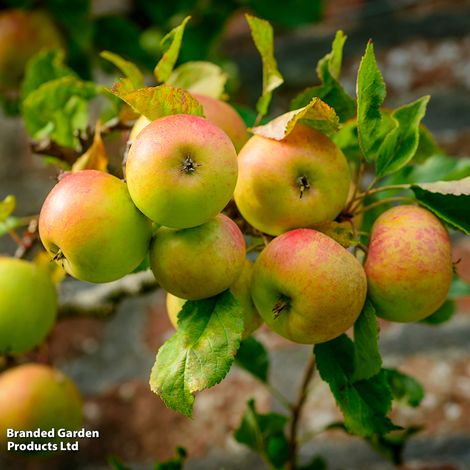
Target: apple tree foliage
x,y
58,107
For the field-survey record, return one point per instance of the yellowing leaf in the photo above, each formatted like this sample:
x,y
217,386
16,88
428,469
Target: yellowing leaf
x,y
262,34
159,101
134,79
317,114
95,158
172,45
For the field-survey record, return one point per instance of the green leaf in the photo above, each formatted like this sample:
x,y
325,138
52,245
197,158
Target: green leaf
x,y
370,96
134,78
331,90
176,463
438,167
159,101
330,66
43,67
264,434
444,313
316,114
7,206
427,146
200,77
171,44
262,34
59,109
458,288
393,445
405,388
367,358
200,353
449,200
346,139
253,357
364,403
401,143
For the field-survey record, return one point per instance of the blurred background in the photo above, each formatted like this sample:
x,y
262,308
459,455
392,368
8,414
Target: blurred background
x,y
422,47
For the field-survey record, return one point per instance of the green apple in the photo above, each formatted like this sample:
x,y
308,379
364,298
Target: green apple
x,y
218,112
36,396
22,35
198,262
409,264
89,224
28,305
307,287
181,171
241,291
298,182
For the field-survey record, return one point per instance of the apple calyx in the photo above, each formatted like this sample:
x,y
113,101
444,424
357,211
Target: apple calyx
x,y
282,304
189,165
303,184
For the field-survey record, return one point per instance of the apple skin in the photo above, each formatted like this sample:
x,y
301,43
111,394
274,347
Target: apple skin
x,y
241,291
198,262
28,305
271,173
181,171
218,112
409,264
22,35
317,286
90,217
37,396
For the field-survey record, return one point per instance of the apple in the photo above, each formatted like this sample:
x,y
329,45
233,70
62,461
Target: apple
x,y
22,35
198,262
28,305
89,224
241,291
181,171
218,112
307,287
298,182
36,396
409,264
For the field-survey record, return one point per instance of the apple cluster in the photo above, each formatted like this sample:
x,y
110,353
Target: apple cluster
x,y
181,173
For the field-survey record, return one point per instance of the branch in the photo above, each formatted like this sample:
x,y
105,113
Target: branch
x,y
297,412
102,300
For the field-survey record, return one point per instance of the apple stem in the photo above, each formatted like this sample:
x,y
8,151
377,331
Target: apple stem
x,y
303,184
279,306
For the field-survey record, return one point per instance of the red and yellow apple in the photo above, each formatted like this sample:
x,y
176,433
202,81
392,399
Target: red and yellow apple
x,y
90,225
241,291
181,171
298,182
198,262
36,396
22,35
218,112
28,305
307,287
409,264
